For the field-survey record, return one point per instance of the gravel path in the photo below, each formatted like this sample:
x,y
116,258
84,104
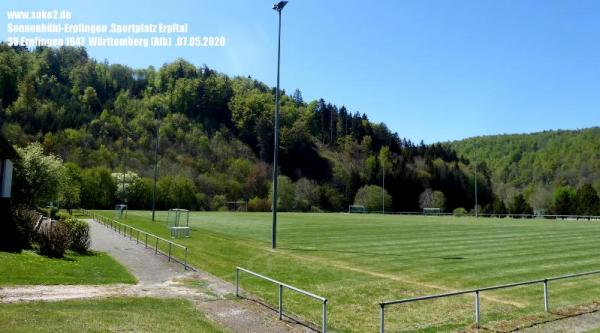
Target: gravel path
x,y
159,278
576,324
148,268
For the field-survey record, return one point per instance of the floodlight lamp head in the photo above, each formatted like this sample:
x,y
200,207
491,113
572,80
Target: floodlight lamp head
x,y
279,6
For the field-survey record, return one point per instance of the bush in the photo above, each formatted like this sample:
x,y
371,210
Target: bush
x,y
330,199
79,233
460,211
54,238
62,216
285,194
257,204
16,227
370,197
518,205
51,211
218,202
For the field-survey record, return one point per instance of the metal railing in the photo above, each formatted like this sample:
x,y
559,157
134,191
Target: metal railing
x,y
476,292
135,233
282,285
524,216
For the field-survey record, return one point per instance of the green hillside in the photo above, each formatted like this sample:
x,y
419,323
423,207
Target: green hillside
x,y
216,145
537,163
216,140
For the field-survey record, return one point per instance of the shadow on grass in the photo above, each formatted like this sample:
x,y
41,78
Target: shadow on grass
x,y
287,317
532,321
89,253
72,255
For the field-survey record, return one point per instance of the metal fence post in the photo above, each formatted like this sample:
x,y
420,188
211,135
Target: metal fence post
x,y
324,316
156,246
382,319
146,242
237,282
185,260
280,302
137,238
280,288
170,244
477,313
546,295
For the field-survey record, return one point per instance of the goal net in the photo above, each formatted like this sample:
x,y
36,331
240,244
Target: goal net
x,y
357,209
237,206
120,211
432,211
178,221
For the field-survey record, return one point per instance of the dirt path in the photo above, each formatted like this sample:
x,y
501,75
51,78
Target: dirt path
x,y
159,278
577,324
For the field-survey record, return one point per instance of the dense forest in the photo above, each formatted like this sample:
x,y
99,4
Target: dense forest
x,y
97,124
215,138
539,165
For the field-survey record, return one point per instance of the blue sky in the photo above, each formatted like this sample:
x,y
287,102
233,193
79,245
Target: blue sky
x,y
431,70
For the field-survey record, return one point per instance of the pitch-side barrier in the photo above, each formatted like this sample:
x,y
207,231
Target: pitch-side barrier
x,y
476,292
281,286
141,236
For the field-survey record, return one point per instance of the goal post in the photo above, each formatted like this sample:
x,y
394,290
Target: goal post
x,y
237,206
360,209
432,211
120,212
178,221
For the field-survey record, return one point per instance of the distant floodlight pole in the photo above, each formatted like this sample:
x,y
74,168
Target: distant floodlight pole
x,y
278,7
383,188
476,213
124,159
157,120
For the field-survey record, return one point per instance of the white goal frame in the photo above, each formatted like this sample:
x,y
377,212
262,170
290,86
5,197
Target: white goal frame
x,y
178,227
120,211
432,211
361,209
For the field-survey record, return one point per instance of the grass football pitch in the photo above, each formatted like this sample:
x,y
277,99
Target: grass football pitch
x,y
358,260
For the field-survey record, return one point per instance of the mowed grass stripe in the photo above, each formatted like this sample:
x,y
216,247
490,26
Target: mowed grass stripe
x,y
455,240
488,250
475,252
520,258
464,240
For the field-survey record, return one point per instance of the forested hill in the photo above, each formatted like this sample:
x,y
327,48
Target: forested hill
x,y
537,163
216,139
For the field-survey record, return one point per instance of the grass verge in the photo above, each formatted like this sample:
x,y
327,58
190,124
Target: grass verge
x,y
30,268
105,315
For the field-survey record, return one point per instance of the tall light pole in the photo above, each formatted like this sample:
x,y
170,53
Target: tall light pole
x,y
157,120
123,200
383,190
383,158
476,210
277,7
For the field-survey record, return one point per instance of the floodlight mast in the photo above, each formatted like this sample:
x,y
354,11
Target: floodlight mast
x,y
476,210
157,120
383,188
123,199
277,7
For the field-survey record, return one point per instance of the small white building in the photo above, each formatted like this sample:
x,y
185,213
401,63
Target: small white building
x,y
7,157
